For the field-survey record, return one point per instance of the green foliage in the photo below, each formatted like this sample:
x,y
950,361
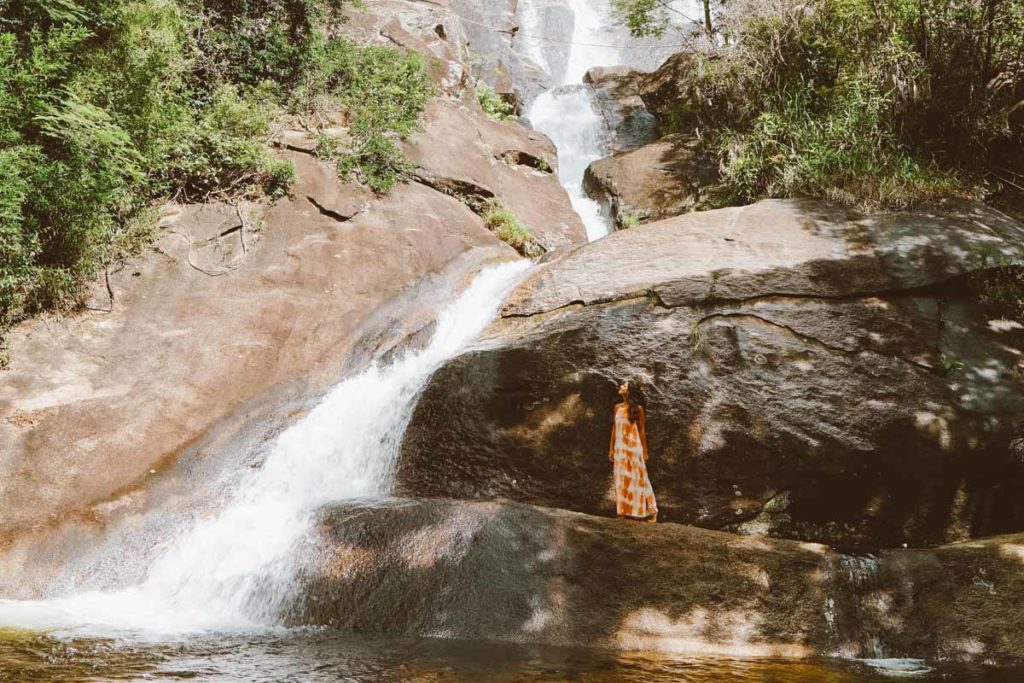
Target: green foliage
x,y
628,220
492,104
953,364
223,147
643,17
383,91
327,147
878,104
107,106
500,220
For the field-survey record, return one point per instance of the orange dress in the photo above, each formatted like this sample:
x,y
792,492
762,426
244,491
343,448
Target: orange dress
x,y
634,496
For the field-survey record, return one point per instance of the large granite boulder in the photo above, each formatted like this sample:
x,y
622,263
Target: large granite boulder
x,y
499,571
665,178
812,374
617,96
233,311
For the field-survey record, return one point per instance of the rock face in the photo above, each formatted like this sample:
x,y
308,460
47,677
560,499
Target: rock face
x,y
617,95
490,28
812,374
668,177
197,330
476,159
665,88
237,316
662,179
511,572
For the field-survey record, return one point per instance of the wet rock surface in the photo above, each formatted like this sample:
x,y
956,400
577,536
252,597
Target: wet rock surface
x,y
200,327
239,313
502,571
812,374
513,572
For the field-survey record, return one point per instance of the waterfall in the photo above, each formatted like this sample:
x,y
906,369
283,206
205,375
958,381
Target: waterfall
x,y
567,113
233,571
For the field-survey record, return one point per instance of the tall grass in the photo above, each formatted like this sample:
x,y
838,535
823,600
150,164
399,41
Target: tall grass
x,y
873,103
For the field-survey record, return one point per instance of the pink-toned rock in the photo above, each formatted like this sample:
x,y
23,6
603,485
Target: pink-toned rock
x,y
665,178
200,328
472,157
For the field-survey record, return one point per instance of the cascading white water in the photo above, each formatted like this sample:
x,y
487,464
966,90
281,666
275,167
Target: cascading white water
x,y
233,571
566,113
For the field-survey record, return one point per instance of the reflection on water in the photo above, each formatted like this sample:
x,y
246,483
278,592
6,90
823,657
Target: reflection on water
x,y
326,656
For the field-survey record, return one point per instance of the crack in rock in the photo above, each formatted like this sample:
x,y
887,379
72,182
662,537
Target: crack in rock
x,y
331,213
810,338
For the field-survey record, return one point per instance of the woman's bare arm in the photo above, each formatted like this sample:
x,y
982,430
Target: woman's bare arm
x,y
611,444
642,424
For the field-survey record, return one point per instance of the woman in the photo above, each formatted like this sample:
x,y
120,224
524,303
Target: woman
x,y
634,497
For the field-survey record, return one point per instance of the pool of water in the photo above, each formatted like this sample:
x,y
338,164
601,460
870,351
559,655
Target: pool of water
x,y
326,656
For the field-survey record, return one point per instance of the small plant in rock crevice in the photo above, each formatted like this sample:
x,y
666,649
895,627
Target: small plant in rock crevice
x,y
699,345
493,105
500,220
627,220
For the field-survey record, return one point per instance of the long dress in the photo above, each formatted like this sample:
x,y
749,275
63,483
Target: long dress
x,y
634,496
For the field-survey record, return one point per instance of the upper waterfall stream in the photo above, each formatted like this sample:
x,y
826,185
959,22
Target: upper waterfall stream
x,y
567,113
233,571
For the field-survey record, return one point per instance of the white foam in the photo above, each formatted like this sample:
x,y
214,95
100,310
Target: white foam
x,y
234,571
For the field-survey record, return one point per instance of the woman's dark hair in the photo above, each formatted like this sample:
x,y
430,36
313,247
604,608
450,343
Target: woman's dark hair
x,y
636,398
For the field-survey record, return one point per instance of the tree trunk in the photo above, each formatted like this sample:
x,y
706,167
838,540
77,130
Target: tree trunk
x,y
708,26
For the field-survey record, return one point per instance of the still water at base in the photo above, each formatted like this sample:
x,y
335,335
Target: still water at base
x,y
314,655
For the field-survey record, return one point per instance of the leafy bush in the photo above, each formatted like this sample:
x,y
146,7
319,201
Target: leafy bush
x,y
500,220
383,91
876,103
109,105
628,220
492,104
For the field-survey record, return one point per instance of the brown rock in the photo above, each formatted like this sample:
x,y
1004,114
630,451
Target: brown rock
x,y
784,247
617,95
430,29
476,159
666,178
96,400
814,375
492,571
665,89
499,571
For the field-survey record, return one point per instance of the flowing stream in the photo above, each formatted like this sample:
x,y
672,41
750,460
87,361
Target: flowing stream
x,y
567,113
233,571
